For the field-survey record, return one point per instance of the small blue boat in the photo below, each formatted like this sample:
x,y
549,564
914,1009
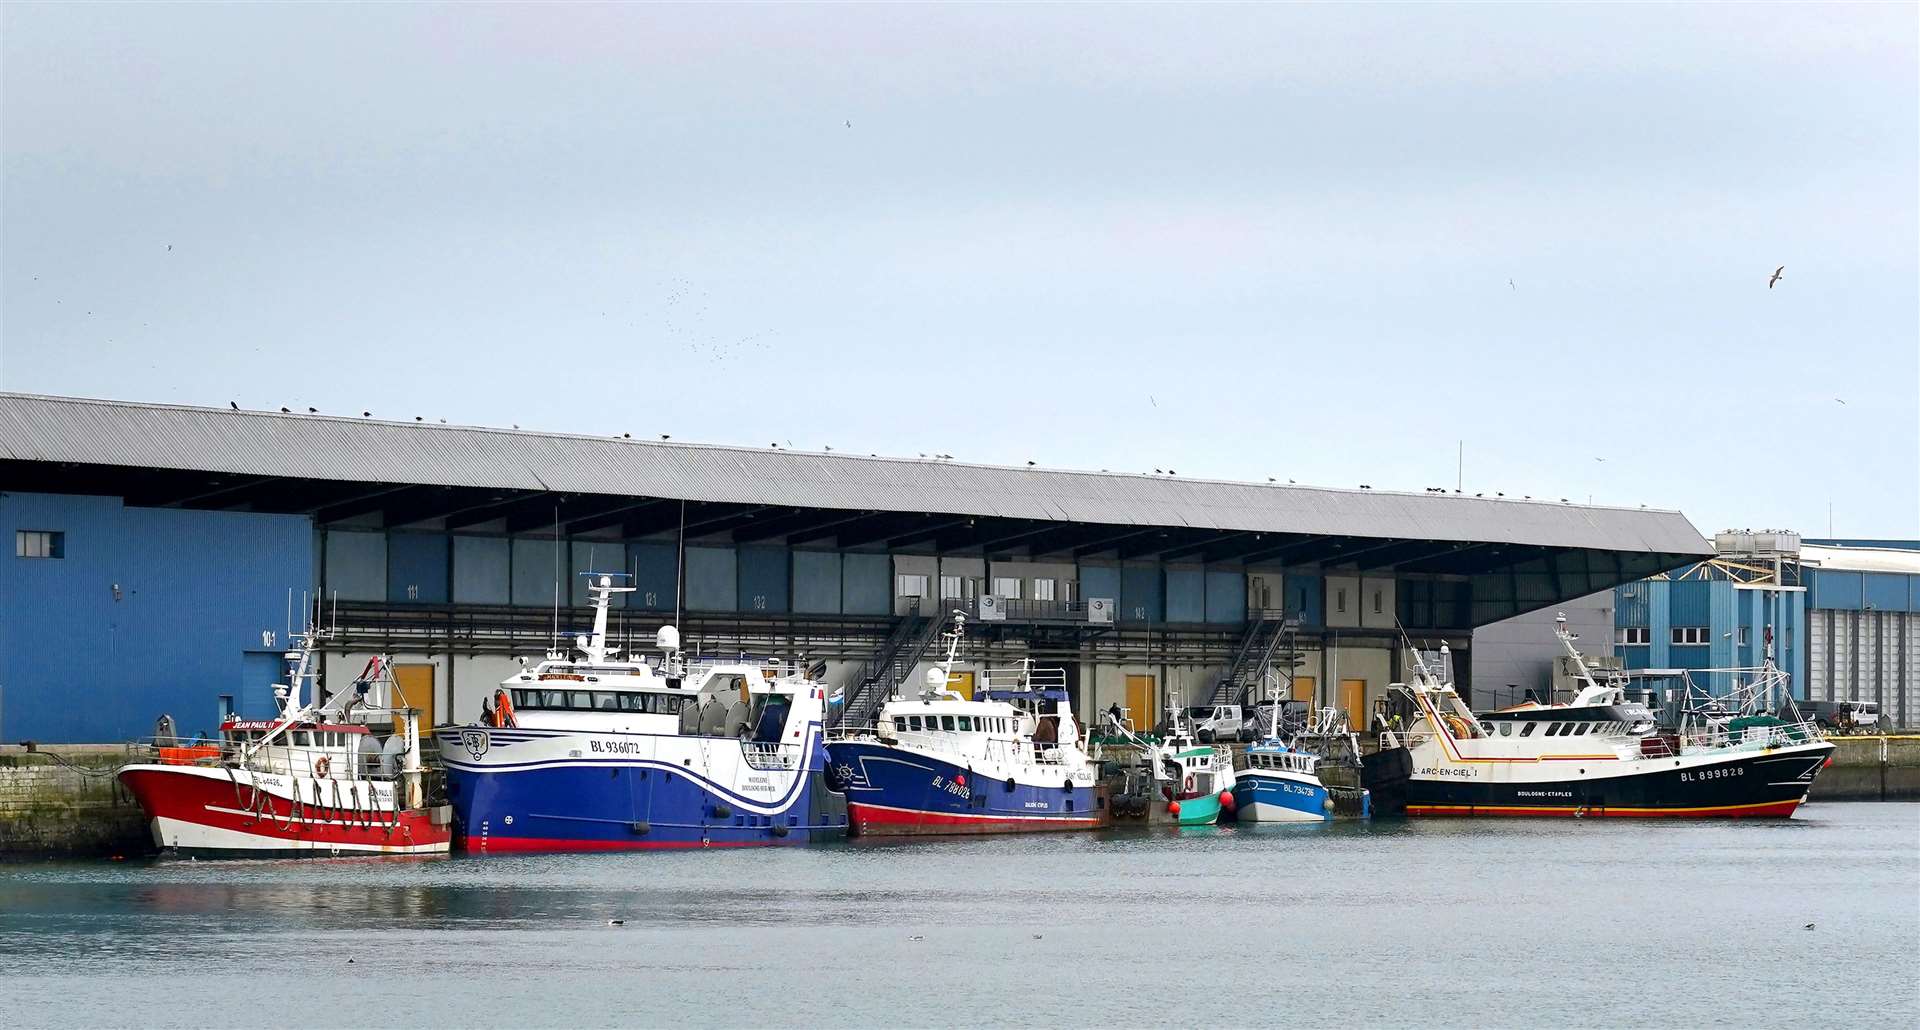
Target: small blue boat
x,y
1280,785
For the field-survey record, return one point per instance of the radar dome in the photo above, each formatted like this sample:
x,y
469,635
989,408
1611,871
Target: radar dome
x,y
668,639
936,678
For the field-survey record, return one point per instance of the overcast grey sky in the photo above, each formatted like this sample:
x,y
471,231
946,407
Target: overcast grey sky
x,y
1320,243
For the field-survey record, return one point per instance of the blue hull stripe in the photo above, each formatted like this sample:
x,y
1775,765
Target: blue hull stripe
x,y
875,774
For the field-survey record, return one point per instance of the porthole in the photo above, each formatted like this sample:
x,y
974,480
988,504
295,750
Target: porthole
x,y
1506,729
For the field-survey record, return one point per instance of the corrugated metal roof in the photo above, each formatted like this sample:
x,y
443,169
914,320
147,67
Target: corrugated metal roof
x,y
95,432
1861,559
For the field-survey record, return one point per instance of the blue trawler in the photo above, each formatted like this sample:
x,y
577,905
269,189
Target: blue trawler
x,y
588,751
1009,760
1280,785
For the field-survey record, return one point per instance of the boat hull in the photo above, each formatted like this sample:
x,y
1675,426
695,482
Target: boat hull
x,y
896,792
1756,784
204,812
1264,798
528,794
1197,811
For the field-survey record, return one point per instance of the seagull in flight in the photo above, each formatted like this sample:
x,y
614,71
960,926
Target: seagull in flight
x,y
1837,400
1777,276
1511,286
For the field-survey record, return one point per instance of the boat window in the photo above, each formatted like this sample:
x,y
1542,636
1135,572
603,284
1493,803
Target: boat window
x,y
946,722
966,723
1526,729
913,722
1506,729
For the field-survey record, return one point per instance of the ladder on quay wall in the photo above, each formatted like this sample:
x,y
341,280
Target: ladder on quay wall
x,y
1271,639
903,649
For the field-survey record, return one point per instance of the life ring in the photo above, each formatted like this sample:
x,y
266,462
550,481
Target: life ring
x,y
1189,783
321,768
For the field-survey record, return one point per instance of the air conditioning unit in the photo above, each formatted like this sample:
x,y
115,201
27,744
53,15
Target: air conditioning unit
x,y
992,608
1100,610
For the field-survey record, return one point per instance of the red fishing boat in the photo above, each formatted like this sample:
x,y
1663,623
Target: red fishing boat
x,y
335,778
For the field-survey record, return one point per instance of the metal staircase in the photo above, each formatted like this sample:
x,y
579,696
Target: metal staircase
x,y
890,666
1271,641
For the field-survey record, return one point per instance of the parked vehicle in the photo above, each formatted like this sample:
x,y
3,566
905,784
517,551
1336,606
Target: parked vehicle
x,y
1843,717
1292,719
1211,723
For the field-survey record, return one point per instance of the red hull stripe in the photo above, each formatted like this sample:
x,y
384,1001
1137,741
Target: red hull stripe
x,y
204,801
883,815
1768,808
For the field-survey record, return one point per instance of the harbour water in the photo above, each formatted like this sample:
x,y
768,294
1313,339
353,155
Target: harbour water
x,y
1420,923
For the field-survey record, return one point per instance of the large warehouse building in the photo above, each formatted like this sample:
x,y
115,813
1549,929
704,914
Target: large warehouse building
x,y
156,549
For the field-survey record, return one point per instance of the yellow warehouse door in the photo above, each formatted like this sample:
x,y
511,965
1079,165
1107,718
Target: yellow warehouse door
x,y
961,683
1303,688
1140,701
413,688
1353,697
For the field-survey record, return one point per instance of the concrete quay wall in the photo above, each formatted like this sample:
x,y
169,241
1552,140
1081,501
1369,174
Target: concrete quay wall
x,y
70,806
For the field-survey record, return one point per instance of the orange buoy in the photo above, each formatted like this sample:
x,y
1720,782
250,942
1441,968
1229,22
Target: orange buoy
x,y
1226,800
1173,809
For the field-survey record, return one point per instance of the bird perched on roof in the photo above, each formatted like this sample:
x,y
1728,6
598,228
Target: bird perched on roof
x,y
1777,276
232,405
313,411
1270,479
284,410
417,418
1171,472
626,436
366,414
1364,486
827,447
1029,464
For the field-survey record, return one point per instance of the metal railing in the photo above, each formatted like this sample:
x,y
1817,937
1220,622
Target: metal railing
x,y
770,756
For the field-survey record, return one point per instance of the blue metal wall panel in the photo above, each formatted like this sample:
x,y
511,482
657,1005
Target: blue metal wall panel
x,y
1885,591
356,565
816,582
1306,597
1833,588
596,556
1721,619
1100,581
1141,599
713,583
417,568
259,672
1186,595
482,570
535,564
152,610
1226,597
763,579
866,583
1630,603
1690,602
656,569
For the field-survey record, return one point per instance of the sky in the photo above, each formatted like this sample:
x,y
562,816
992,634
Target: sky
x,y
1337,244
